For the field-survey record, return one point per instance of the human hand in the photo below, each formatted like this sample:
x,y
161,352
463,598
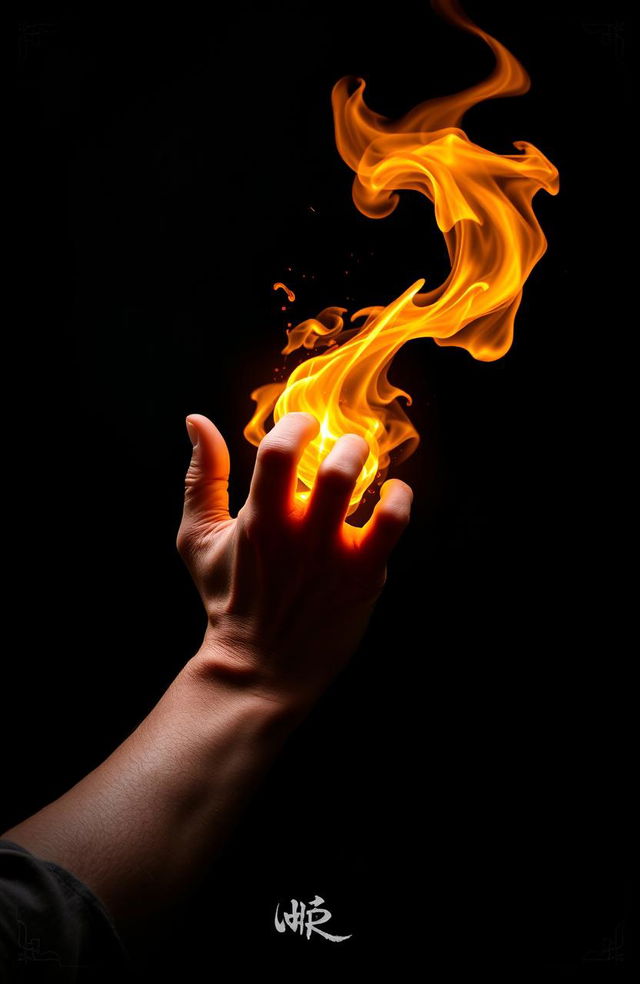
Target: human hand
x,y
288,587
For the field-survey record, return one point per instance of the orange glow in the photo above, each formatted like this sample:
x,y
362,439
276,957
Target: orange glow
x,y
288,292
483,206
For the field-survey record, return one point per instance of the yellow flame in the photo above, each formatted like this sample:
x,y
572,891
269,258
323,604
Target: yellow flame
x,y
483,206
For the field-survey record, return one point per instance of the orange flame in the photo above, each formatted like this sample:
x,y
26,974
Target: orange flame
x,y
483,206
290,295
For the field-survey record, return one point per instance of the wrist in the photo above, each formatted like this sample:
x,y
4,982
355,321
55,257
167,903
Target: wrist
x,y
235,672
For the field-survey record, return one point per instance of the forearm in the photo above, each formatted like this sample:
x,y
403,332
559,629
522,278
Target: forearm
x,y
288,588
141,827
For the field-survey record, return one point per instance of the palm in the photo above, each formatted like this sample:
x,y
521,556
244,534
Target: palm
x,y
286,585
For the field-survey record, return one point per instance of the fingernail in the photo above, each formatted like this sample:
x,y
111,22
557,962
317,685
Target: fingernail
x,y
192,430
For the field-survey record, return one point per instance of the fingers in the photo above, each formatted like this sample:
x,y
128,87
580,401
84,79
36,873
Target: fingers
x,y
206,501
274,477
334,484
271,497
387,522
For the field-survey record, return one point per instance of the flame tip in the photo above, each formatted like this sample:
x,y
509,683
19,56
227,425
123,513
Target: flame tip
x,y
483,207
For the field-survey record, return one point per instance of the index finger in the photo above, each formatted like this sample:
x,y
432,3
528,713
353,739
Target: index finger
x,y
273,483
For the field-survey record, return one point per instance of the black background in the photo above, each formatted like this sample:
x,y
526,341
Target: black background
x,y
457,796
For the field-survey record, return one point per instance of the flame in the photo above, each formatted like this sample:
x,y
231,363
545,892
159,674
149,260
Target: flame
x,y
483,206
290,295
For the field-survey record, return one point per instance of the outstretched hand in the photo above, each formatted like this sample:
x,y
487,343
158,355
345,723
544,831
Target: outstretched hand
x,y
288,587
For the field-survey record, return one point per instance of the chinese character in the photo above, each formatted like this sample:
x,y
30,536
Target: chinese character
x,y
295,919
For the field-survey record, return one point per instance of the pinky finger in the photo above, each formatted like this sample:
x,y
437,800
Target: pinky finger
x,y
387,522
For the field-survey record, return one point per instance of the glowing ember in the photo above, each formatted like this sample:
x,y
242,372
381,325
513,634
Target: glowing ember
x,y
291,296
483,206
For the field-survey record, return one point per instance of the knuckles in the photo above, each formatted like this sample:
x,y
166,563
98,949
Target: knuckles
x,y
260,530
398,517
394,516
336,478
274,453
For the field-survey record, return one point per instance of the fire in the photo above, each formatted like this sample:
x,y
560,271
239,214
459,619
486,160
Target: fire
x,y
280,286
483,206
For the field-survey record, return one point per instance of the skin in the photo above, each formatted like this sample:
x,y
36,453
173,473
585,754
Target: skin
x,y
288,589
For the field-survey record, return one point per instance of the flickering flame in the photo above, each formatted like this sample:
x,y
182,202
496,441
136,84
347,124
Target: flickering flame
x,y
290,295
483,206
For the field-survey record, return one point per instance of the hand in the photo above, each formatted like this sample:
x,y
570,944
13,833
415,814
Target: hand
x,y
288,587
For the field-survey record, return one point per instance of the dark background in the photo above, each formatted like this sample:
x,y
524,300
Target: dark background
x,y
457,797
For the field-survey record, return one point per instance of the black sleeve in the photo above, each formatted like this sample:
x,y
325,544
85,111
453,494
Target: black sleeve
x,y
52,926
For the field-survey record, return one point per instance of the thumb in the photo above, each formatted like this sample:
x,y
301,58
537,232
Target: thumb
x,y
206,497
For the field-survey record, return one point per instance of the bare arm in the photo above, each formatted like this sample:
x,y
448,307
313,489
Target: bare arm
x,y
288,591
139,828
